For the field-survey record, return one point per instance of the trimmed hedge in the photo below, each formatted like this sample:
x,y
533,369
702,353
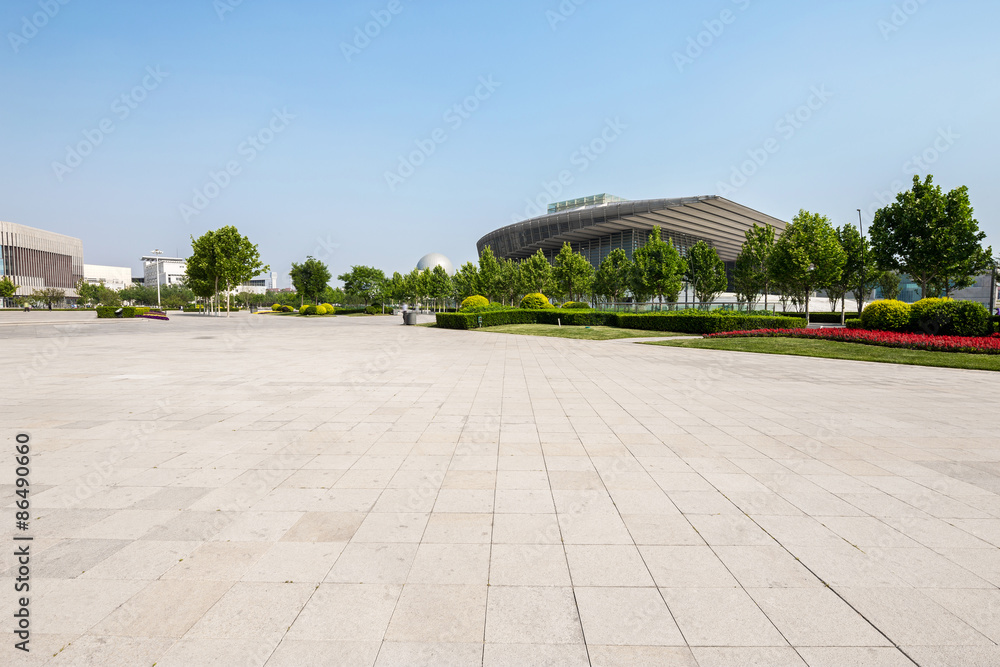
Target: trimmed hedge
x,y
682,322
854,323
535,301
576,304
696,322
886,315
350,311
474,301
946,317
127,311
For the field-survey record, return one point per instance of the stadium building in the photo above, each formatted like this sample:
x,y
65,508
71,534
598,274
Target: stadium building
x,y
37,259
594,226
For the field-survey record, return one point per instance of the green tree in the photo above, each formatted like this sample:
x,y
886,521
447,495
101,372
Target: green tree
x,y
661,268
333,295
440,285
931,236
310,278
706,273
224,259
7,289
466,281
138,295
363,282
572,273
48,296
509,282
489,274
536,274
808,256
859,273
888,283
611,281
752,274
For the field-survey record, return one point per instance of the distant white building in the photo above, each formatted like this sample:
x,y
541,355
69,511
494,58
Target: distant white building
x,y
113,277
163,270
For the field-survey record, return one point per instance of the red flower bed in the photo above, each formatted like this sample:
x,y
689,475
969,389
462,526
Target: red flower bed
x,y
986,345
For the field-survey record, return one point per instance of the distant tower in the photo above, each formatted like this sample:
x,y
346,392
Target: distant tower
x,y
436,259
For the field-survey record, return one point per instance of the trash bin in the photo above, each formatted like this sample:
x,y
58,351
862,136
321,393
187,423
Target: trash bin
x,y
410,317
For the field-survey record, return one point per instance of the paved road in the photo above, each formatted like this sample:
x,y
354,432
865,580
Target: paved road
x,y
288,491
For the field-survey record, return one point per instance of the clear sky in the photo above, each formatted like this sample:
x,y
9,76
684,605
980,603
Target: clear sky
x,y
120,119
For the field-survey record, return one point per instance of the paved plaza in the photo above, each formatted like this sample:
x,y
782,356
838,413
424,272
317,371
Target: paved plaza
x,y
283,491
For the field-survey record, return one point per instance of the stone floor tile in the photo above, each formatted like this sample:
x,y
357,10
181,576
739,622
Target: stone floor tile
x,y
346,612
324,527
373,564
626,617
434,614
253,610
451,564
607,565
686,567
313,653
146,615
533,615
720,617
815,617
747,656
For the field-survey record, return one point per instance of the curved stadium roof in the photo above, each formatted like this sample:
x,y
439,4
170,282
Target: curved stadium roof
x,y
720,222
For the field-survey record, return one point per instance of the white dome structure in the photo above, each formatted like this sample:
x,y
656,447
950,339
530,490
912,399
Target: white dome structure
x,y
436,259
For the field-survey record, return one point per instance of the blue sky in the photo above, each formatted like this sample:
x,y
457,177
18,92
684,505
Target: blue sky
x,y
134,125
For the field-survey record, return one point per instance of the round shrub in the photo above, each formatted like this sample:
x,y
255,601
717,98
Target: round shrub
x,y
886,315
372,310
474,301
276,307
575,304
308,310
946,317
536,301
287,309
330,310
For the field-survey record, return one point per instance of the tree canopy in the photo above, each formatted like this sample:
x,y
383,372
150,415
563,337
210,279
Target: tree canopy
x,y
658,268
932,237
706,272
310,278
363,282
572,273
224,259
752,274
808,255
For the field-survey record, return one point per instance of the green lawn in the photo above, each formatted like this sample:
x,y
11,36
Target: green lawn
x,y
575,332
828,349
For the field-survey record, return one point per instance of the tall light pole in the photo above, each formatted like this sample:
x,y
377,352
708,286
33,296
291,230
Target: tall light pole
x,y
864,270
157,253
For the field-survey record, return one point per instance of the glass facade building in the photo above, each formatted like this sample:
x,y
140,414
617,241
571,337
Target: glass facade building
x,y
37,259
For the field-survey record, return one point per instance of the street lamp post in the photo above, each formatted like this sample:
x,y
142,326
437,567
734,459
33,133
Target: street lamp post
x,y
157,253
864,270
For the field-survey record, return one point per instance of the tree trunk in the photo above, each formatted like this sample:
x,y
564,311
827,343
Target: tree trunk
x,y
843,306
807,307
